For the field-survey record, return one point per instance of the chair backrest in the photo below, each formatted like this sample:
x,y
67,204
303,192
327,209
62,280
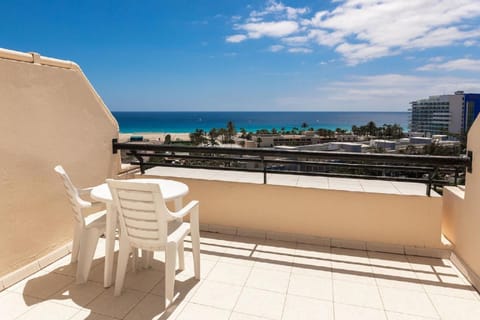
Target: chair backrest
x,y
73,195
142,212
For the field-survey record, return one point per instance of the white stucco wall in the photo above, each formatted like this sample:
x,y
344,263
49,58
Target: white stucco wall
x,y
50,114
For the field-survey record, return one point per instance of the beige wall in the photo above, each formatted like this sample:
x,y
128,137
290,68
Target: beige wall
x,y
50,114
462,211
370,217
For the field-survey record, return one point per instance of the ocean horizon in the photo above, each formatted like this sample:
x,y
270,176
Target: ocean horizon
x,y
179,122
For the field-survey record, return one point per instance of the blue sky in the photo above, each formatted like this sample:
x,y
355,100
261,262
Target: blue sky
x,y
185,55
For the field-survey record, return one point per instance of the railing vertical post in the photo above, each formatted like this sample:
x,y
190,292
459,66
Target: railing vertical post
x,y
140,159
431,176
456,176
114,146
264,170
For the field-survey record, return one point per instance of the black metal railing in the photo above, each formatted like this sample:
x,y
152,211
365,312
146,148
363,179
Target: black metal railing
x,y
434,171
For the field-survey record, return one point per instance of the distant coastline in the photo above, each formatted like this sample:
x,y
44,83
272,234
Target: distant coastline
x,y
183,122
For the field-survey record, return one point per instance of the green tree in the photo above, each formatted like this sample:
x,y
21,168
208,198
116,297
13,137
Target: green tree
x,y
222,132
168,139
355,130
198,137
397,131
371,128
230,132
243,132
213,134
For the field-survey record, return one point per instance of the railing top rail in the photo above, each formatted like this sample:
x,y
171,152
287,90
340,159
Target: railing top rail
x,y
267,152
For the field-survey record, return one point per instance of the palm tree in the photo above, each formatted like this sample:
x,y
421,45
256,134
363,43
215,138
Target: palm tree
x,y
168,139
213,134
197,137
231,132
244,133
371,128
397,131
222,132
355,130
259,140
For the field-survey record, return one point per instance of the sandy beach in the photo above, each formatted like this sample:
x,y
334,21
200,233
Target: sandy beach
x,y
158,136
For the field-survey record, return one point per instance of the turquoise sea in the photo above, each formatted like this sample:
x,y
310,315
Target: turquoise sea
x,y
175,122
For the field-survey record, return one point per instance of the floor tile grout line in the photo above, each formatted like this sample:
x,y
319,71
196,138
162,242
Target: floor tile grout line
x,y
333,295
378,289
425,291
245,282
288,284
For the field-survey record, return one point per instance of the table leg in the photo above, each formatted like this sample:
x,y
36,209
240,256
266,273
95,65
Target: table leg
x,y
178,204
109,244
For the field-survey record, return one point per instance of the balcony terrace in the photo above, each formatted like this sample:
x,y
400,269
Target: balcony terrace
x,y
253,278
297,247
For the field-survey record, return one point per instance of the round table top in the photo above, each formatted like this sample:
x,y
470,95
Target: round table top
x,y
170,189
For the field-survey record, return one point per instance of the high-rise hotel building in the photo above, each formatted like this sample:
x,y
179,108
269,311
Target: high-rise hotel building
x,y
451,113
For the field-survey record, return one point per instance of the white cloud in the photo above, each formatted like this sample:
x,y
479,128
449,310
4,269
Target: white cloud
x,y
362,30
389,26
280,10
436,59
294,41
276,48
269,29
236,38
357,53
452,65
300,50
325,38
377,92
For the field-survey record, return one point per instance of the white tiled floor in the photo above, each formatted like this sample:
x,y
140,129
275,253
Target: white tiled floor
x,y
345,184
251,279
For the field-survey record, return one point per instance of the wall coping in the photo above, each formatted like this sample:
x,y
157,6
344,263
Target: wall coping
x,y
36,58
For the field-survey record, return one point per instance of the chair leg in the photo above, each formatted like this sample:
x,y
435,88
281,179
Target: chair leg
x,y
147,257
170,262
196,252
134,259
181,256
122,263
75,243
89,240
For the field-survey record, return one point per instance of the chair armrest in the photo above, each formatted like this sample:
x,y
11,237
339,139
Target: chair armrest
x,y
86,192
83,204
185,210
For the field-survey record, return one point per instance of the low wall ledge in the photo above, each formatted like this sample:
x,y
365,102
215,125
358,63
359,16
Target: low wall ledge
x,y
33,57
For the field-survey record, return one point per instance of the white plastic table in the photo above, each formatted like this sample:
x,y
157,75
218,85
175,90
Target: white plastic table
x,y
171,191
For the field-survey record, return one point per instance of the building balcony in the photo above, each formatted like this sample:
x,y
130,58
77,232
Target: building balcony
x,y
253,278
257,263
296,246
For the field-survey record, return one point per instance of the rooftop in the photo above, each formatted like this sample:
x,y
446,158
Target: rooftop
x,y
248,278
329,183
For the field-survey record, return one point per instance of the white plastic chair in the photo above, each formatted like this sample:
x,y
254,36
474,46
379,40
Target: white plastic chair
x,y
144,224
87,230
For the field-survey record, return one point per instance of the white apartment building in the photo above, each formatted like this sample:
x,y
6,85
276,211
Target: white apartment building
x,y
439,114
